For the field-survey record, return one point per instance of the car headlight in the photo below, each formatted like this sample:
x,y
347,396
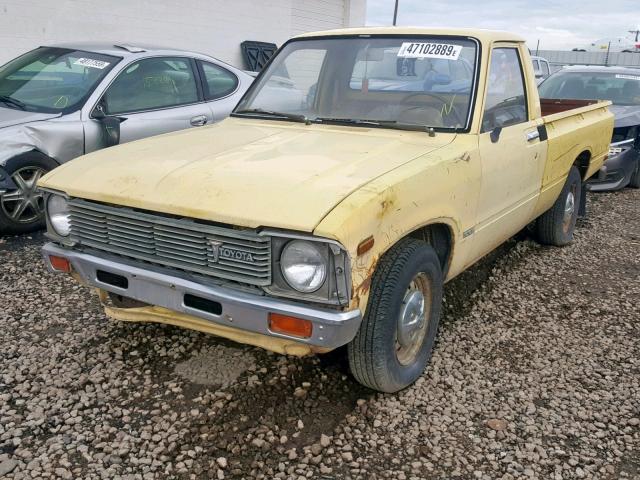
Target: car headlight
x,y
58,213
303,266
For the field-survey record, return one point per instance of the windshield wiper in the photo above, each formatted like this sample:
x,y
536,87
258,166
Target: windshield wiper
x,y
289,116
13,101
378,123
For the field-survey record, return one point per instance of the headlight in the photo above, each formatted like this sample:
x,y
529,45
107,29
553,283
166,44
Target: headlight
x,y
303,266
58,212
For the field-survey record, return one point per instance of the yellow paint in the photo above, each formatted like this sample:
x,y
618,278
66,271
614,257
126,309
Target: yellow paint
x,y
347,183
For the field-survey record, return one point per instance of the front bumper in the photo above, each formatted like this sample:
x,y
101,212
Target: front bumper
x,y
616,172
238,310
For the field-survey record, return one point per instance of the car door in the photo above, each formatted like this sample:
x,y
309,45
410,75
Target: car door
x,y
152,96
219,87
512,154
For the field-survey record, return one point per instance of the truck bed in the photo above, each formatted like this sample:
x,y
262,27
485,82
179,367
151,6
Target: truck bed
x,y
575,129
549,106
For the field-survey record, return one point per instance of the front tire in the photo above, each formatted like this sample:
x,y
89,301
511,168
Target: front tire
x,y
395,341
556,225
635,178
22,210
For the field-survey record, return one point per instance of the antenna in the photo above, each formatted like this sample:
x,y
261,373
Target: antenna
x,y
395,14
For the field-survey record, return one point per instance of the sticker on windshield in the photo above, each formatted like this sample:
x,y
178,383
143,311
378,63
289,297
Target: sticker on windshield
x,y
628,77
429,50
91,63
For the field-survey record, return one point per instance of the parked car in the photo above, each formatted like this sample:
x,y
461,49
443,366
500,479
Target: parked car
x,y
540,68
336,221
621,86
59,102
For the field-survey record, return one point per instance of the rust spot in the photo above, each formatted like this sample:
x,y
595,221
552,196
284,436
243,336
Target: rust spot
x,y
365,285
386,205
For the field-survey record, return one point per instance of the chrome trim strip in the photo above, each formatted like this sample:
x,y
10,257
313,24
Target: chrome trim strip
x,y
623,142
241,310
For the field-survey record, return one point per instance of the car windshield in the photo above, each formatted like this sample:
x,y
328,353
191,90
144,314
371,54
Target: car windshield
x,y
620,88
384,81
52,80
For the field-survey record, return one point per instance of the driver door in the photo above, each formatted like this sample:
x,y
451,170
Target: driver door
x,y
513,156
151,96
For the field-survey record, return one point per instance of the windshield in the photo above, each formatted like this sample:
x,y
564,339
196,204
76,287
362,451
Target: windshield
x,y
620,88
424,81
52,80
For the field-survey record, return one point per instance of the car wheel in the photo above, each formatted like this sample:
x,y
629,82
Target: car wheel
x,y
556,225
394,343
22,209
635,178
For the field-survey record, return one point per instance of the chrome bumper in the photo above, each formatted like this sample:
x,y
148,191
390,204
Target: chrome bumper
x,y
244,311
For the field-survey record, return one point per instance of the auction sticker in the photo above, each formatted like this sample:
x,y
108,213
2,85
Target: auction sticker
x,y
628,77
91,63
429,50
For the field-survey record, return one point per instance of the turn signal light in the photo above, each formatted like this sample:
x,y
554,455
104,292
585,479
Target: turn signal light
x,y
293,326
60,264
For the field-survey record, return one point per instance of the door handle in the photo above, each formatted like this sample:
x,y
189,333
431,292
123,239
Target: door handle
x,y
199,120
531,136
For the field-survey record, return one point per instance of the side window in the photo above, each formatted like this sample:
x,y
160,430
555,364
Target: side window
x,y
219,82
150,84
506,102
545,68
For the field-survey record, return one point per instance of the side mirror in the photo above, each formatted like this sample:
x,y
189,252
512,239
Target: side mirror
x,y
110,131
495,134
98,112
110,126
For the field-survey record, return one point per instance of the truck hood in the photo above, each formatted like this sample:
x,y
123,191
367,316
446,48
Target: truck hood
x,y
243,172
10,117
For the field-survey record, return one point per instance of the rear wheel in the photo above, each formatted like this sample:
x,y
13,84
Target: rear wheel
x,y
635,178
22,209
396,338
556,225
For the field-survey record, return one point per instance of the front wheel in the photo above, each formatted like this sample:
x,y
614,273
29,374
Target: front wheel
x,y
556,225
635,178
22,209
396,338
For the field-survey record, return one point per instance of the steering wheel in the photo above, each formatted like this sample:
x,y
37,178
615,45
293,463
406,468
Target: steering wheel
x,y
451,109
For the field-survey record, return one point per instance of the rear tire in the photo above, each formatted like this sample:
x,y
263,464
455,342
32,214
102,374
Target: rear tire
x,y
635,177
22,210
556,225
395,341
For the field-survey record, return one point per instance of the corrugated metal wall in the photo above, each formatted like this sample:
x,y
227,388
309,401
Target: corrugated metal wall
x,y
559,58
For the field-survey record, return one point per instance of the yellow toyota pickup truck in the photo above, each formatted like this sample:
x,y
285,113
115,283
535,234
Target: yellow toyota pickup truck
x,y
362,170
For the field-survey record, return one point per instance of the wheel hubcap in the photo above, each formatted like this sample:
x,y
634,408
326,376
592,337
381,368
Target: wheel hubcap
x,y
569,209
26,204
412,324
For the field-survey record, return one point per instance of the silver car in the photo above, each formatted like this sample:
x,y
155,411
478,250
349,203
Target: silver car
x,y
63,101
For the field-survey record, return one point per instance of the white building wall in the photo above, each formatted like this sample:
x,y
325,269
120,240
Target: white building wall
x,y
215,27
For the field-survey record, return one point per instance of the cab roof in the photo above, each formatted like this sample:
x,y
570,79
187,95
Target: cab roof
x,y
484,36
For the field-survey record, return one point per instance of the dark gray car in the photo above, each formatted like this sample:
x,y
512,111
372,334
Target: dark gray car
x,y
60,102
621,86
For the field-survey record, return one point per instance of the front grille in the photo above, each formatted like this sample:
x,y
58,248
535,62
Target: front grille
x,y
237,255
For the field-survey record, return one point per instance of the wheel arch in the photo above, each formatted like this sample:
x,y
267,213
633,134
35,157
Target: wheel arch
x,y
582,163
440,236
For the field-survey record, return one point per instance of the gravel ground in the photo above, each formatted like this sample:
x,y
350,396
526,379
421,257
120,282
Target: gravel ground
x,y
536,374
